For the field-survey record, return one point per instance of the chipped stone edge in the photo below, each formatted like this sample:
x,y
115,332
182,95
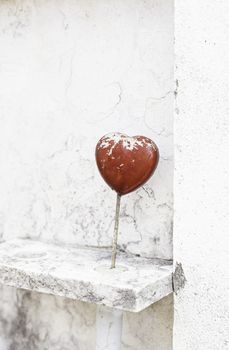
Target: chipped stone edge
x,y
122,299
179,279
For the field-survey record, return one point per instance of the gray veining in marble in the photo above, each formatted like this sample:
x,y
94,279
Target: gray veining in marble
x,y
72,71
72,80
38,321
84,274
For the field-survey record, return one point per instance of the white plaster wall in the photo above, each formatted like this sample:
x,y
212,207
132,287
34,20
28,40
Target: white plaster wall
x,y
201,188
71,71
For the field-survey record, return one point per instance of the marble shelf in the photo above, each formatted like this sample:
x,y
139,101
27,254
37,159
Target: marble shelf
x,y
84,274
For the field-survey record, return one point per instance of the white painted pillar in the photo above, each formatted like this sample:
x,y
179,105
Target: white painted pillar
x,y
4,344
108,328
201,178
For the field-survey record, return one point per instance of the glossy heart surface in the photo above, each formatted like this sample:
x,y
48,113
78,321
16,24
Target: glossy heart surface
x,y
124,162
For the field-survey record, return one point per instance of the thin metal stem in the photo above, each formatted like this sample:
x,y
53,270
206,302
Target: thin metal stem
x,y
115,236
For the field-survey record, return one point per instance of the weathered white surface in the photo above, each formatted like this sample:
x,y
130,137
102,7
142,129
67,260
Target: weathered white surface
x,y
84,274
44,322
108,328
201,237
72,71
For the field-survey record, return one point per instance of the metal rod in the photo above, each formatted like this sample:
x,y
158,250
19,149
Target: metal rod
x,y
115,237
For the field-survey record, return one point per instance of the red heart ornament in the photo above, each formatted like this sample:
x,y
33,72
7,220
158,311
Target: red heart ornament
x,y
124,162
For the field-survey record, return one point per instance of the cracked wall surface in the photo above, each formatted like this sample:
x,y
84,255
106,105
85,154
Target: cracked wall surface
x,y
71,71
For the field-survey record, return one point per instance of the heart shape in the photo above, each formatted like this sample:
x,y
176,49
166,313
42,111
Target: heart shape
x,y
124,162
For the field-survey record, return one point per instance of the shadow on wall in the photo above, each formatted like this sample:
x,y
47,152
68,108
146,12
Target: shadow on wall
x,y
37,321
150,329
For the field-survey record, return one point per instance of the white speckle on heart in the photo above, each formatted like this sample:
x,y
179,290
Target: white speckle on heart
x,y
129,143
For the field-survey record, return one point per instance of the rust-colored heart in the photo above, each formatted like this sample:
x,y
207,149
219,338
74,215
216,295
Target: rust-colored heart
x,y
124,162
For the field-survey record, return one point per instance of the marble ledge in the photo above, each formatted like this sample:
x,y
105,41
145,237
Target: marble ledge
x,y
84,274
